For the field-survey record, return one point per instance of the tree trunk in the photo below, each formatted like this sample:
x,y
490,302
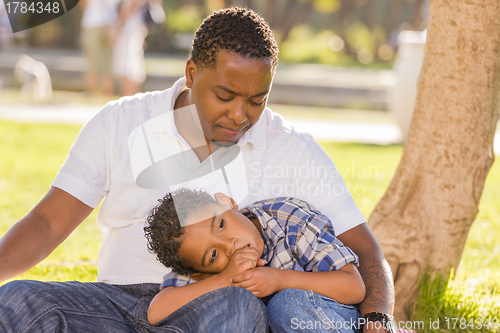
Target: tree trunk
x,y
425,215
300,15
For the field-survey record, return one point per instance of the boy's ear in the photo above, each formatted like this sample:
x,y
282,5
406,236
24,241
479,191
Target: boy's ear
x,y
226,200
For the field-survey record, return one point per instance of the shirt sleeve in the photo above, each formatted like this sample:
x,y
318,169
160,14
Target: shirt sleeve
x,y
173,279
317,248
84,174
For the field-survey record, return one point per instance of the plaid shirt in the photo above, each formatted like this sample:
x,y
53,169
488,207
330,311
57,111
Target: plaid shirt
x,y
296,236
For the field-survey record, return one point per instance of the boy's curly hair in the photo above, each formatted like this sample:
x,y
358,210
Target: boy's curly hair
x,y
234,29
164,229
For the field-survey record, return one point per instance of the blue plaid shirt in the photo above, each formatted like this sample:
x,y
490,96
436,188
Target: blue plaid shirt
x,y
296,236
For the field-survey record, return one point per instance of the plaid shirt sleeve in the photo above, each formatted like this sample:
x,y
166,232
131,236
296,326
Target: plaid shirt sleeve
x,y
312,239
173,279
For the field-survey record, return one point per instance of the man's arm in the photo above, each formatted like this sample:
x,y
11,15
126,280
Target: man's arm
x,y
36,235
374,270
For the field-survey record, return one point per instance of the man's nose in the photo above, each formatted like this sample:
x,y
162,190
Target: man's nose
x,y
238,112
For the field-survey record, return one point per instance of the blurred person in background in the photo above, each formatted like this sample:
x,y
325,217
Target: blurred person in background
x,y
5,29
128,52
99,21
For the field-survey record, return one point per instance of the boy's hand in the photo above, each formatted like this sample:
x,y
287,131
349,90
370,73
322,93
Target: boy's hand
x,y
261,281
242,260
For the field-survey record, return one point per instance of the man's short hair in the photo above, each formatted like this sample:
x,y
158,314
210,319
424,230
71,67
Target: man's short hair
x,y
164,223
238,30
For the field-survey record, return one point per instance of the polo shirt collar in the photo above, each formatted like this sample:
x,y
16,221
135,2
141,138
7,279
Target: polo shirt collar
x,y
164,104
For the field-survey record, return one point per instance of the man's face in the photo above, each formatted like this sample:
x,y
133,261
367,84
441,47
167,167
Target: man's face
x,y
231,97
209,244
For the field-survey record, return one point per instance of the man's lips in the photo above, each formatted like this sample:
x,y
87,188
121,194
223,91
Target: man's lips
x,y
231,131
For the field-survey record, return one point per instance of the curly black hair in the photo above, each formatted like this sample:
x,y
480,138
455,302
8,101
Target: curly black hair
x,y
234,29
164,229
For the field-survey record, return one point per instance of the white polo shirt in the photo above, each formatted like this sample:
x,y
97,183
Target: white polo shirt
x,y
131,154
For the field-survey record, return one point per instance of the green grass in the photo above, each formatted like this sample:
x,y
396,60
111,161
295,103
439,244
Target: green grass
x,y
453,307
32,154
323,113
31,157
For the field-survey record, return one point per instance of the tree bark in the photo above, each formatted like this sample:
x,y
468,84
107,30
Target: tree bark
x,y
425,215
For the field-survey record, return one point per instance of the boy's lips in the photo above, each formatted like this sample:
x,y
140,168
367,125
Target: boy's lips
x,y
255,247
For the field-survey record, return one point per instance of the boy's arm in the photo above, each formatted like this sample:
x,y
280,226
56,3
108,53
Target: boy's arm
x,y
345,285
171,299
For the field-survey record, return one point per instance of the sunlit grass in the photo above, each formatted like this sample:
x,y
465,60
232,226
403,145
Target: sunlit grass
x,y
31,157
452,305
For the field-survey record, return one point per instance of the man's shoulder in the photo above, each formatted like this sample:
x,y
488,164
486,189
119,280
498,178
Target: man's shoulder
x,y
138,103
130,111
280,131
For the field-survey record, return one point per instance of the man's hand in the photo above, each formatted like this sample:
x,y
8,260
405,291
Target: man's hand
x,y
242,260
261,281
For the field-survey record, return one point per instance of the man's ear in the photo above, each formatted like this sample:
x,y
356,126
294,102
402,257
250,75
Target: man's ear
x,y
226,200
190,72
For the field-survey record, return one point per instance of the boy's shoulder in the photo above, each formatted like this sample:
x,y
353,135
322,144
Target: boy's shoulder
x,y
287,212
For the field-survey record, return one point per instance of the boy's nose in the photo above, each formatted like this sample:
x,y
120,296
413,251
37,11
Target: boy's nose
x,y
231,246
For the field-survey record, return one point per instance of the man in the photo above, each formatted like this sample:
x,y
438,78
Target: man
x,y
136,149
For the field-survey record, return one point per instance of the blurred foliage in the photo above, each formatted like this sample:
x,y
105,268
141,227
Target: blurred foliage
x,y
303,28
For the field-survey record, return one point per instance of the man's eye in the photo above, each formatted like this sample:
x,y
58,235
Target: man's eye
x,y
214,254
221,225
224,99
258,104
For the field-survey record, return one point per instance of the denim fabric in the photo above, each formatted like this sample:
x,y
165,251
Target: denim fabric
x,y
33,306
294,310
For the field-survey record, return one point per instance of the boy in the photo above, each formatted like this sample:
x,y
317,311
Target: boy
x,y
268,247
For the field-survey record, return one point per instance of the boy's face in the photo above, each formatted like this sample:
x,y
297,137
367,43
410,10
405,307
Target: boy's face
x,y
208,245
231,97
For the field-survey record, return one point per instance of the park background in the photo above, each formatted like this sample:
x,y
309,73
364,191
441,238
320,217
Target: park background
x,y
347,46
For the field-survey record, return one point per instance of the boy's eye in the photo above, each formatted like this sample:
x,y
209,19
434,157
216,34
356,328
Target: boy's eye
x,y
221,225
214,254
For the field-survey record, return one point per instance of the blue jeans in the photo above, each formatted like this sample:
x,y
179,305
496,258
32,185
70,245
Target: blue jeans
x,y
33,306
294,310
